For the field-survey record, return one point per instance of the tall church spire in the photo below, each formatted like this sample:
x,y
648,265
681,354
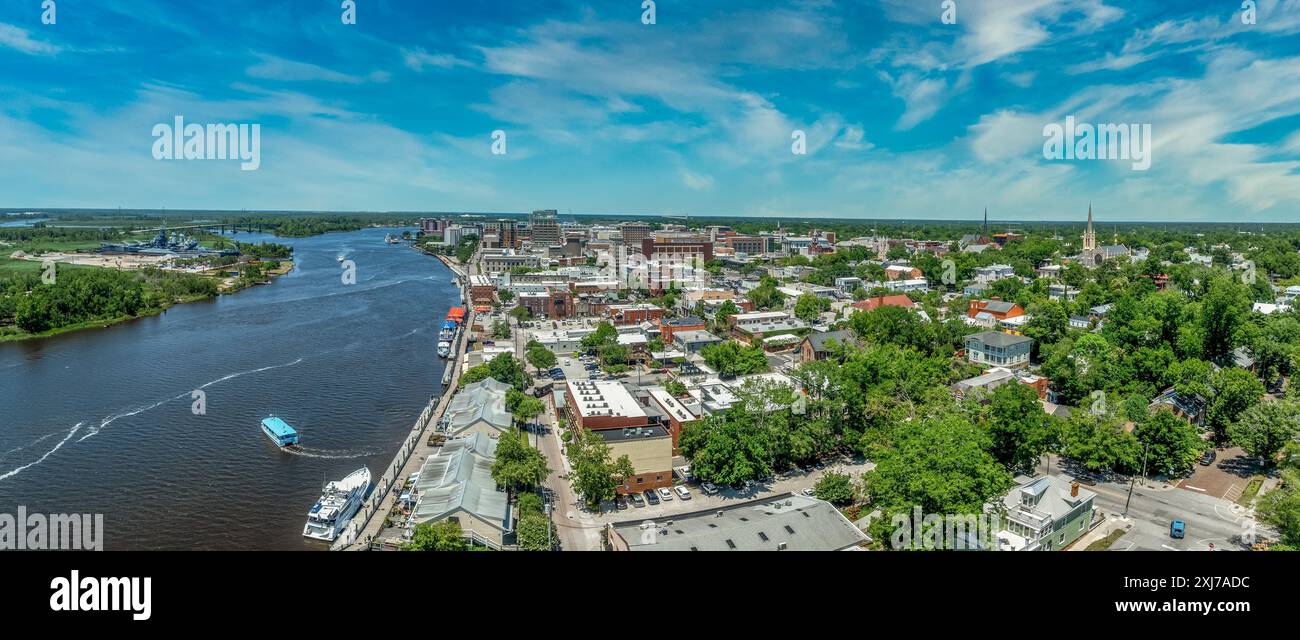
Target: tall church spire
x,y
984,233
1089,236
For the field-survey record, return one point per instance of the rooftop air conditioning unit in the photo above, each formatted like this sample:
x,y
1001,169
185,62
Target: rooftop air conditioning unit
x,y
780,546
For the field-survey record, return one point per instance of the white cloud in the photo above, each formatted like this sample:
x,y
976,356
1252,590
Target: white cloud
x,y
696,181
275,68
21,40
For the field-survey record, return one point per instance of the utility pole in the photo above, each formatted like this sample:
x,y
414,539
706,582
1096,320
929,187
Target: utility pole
x,y
1145,450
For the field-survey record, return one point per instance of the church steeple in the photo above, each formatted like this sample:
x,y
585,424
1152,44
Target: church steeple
x,y
1089,236
984,232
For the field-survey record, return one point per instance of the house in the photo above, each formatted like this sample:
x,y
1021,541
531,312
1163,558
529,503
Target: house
x,y
871,304
848,285
1080,322
1052,271
996,377
625,314
974,290
902,272
998,349
1062,292
456,484
688,323
786,522
994,272
691,342
1046,513
988,313
480,407
1189,407
817,345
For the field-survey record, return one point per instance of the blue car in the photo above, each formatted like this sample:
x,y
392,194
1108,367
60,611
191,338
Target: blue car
x,y
1176,529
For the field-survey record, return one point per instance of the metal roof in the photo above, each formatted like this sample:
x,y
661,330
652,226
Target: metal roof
x,y
459,478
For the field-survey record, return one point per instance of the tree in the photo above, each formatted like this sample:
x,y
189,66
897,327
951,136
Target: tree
x,y
1235,391
500,330
539,356
1021,431
728,448
835,488
940,464
1224,307
521,314
518,466
1100,443
535,530
502,368
595,475
1264,429
676,388
808,307
1281,508
725,310
731,359
444,535
1173,443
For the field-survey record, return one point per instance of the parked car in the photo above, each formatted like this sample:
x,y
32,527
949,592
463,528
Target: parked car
x,y
1176,529
682,492
620,503
665,494
811,493
709,488
650,496
1208,458
637,500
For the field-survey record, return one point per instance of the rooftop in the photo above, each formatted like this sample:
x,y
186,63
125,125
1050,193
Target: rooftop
x,y
604,398
790,522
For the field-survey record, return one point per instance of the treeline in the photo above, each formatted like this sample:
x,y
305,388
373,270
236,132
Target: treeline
x,y
84,295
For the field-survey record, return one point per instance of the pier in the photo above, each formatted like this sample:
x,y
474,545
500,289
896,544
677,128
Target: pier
x,y
415,449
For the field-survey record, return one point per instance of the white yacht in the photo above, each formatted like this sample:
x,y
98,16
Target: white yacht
x,y
337,505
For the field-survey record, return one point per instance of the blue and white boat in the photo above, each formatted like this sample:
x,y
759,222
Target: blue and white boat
x,y
279,432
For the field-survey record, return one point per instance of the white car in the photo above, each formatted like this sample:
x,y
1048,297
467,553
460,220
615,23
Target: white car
x,y
665,494
682,492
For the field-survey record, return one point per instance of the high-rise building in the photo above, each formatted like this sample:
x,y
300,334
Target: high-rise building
x,y
501,234
634,233
544,228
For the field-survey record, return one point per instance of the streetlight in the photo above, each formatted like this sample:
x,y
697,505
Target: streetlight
x,y
1146,448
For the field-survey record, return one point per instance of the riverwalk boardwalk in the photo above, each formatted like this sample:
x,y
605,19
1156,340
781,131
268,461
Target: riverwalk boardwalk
x,y
369,521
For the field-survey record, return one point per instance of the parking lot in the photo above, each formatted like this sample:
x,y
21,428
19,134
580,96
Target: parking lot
x,y
1225,478
794,482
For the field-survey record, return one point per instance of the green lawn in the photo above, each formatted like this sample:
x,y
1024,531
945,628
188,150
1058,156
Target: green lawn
x,y
1104,543
1252,488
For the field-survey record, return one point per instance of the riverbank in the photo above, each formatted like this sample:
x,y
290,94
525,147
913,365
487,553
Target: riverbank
x,y
226,286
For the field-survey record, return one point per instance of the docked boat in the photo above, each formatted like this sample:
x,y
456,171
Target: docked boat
x,y
444,349
279,432
336,506
448,332
392,239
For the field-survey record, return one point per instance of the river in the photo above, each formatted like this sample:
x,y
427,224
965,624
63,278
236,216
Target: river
x,y
102,420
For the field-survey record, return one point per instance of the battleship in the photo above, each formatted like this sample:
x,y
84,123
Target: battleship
x,y
164,244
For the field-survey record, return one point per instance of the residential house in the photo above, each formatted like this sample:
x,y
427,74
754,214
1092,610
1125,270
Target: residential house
x,y
998,349
1046,513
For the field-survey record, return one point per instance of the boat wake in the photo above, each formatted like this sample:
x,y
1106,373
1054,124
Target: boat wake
x,y
17,470
308,452
104,422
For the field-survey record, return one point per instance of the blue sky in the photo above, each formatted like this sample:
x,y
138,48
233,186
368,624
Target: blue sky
x,y
905,116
